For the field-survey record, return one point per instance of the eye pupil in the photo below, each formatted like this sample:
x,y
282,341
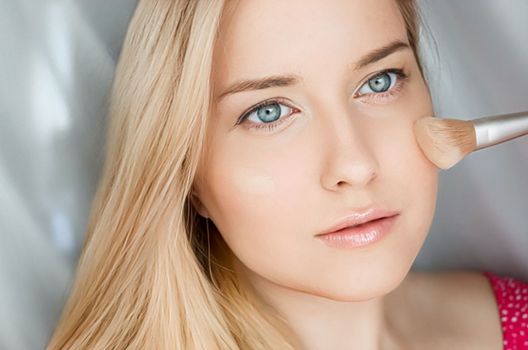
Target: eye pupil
x,y
380,83
269,112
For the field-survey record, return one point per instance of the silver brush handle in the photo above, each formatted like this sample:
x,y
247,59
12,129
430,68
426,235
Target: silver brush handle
x,y
493,130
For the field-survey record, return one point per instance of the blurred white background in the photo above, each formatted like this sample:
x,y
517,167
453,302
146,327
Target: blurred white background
x,y
56,65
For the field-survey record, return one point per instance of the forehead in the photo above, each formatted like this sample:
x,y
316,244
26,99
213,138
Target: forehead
x,y
263,37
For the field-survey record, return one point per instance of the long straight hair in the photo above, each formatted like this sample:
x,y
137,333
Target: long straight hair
x,y
150,274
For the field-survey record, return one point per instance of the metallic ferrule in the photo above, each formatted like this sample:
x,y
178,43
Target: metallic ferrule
x,y
493,130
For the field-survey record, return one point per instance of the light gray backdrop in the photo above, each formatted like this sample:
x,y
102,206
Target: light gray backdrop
x,y
56,65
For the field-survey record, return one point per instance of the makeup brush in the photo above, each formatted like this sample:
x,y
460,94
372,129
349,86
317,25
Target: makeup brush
x,y
447,141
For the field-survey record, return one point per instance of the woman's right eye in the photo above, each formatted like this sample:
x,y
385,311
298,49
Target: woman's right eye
x,y
267,115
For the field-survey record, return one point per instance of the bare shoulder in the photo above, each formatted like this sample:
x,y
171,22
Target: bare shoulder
x,y
462,302
458,286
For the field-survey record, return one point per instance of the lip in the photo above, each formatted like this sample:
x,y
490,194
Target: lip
x,y
359,236
358,218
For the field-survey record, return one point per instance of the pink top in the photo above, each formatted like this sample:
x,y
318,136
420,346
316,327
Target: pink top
x,y
512,301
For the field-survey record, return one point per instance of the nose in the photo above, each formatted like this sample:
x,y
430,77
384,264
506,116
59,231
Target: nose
x,y
349,158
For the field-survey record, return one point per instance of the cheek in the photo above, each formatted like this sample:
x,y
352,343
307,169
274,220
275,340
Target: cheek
x,y
253,198
419,180
403,158
413,179
407,178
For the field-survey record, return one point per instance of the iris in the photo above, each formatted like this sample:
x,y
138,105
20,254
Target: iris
x,y
380,83
269,112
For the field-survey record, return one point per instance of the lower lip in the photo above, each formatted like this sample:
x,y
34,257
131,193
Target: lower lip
x,y
360,236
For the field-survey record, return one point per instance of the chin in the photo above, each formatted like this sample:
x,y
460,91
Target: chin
x,y
362,290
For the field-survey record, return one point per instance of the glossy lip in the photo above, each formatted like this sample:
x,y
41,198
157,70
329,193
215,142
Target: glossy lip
x,y
358,218
361,235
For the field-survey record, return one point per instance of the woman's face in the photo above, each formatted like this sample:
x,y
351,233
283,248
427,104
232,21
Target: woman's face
x,y
334,139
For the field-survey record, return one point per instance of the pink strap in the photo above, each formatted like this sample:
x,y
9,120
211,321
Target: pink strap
x,y
512,301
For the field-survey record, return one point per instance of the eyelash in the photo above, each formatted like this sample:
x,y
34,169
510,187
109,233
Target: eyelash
x,y
402,78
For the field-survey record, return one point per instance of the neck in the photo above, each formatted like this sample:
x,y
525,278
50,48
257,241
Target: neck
x,y
322,323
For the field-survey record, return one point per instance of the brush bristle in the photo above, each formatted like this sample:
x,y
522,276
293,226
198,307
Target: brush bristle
x,y
445,141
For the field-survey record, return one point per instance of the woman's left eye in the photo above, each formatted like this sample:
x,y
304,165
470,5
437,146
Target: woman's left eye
x,y
383,83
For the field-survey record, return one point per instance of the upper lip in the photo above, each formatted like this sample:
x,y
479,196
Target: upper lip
x,y
360,217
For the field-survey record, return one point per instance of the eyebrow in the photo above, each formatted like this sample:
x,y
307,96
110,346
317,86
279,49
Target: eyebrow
x,y
287,80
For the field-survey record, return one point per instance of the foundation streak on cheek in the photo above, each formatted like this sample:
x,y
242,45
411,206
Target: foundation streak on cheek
x,y
252,181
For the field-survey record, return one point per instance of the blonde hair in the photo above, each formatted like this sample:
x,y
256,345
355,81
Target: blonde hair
x,y
144,279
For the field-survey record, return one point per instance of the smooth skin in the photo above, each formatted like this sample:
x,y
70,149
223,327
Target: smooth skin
x,y
342,141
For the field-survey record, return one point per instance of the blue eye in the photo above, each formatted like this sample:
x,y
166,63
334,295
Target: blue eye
x,y
267,115
382,82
